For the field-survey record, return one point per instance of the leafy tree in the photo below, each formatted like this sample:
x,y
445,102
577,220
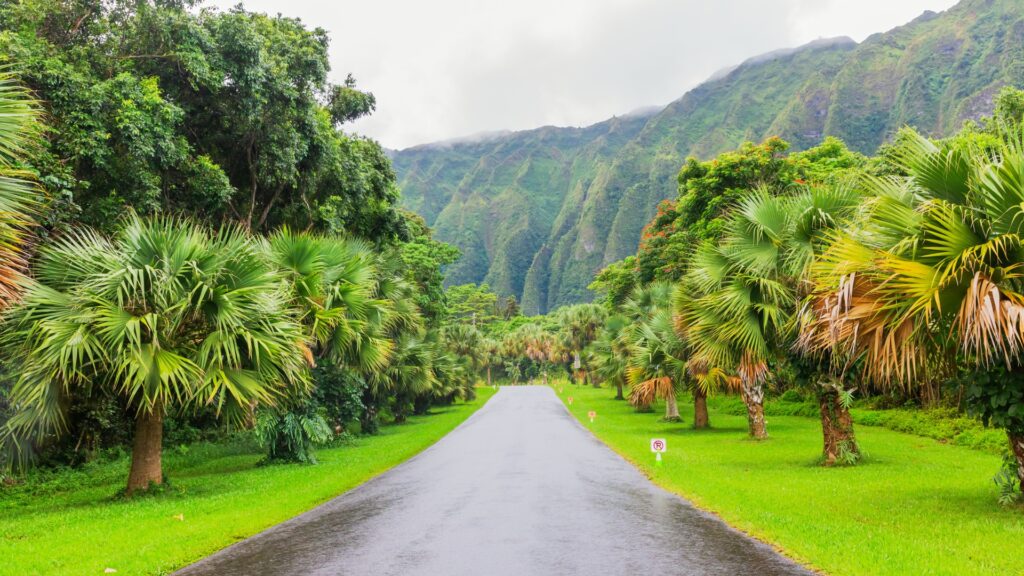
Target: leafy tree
x,y
511,308
165,314
708,191
472,304
615,282
424,259
226,116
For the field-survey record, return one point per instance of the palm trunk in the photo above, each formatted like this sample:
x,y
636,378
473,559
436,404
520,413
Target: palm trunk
x,y
146,468
840,443
618,389
1017,447
700,409
671,408
753,397
368,423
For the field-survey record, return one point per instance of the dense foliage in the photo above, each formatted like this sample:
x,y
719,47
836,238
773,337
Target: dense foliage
x,y
227,116
215,249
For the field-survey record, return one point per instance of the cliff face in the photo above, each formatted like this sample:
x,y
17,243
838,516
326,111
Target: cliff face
x,y
537,213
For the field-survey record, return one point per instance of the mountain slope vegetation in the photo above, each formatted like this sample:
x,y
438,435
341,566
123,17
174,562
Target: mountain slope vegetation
x,y
537,213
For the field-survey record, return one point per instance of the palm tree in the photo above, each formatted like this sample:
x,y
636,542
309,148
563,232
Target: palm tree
x,y
579,326
816,214
466,341
329,281
409,374
932,273
657,363
739,303
19,126
490,354
165,314
609,353
735,309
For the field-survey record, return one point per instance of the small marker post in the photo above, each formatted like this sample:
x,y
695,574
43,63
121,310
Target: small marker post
x,y
658,445
570,400
592,415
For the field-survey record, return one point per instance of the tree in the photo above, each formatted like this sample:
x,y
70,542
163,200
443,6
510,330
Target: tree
x,y
472,304
424,259
615,282
19,128
329,283
657,363
466,341
579,325
165,314
709,191
225,116
609,353
733,312
930,274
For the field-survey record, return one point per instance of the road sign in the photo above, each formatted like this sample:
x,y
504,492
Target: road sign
x,y
591,415
658,445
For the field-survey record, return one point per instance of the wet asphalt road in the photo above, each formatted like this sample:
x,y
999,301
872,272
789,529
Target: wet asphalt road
x,y
519,489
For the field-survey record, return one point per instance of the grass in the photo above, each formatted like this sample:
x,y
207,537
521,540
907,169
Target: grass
x,y
75,523
913,505
946,425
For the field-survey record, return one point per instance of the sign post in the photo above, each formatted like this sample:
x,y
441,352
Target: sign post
x,y
592,415
658,446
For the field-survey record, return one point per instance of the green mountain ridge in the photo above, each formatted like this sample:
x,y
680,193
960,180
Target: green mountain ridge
x,y
536,213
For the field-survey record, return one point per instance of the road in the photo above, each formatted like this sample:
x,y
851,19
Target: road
x,y
520,489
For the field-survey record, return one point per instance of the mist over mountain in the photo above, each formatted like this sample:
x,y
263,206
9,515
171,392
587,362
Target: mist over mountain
x,y
536,213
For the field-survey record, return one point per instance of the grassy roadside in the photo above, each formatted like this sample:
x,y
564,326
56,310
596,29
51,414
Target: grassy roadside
x,y
77,526
913,506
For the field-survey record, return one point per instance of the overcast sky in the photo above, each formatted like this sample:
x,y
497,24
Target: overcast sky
x,y
448,68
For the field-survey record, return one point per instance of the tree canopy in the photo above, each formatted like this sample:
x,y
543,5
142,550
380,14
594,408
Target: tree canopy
x,y
225,116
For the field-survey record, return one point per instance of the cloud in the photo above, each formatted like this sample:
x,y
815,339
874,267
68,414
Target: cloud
x,y
450,68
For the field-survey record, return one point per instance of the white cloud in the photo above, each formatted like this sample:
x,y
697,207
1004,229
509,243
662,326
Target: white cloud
x,y
447,68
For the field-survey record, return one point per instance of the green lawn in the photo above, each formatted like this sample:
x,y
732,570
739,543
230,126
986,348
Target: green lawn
x,y
75,525
913,506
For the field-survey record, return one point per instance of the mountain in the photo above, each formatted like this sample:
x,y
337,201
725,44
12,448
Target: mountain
x,y
538,212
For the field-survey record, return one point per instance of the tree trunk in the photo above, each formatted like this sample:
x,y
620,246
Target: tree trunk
x,y
618,389
1017,446
700,409
146,447
421,405
671,408
368,424
488,375
840,443
753,397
